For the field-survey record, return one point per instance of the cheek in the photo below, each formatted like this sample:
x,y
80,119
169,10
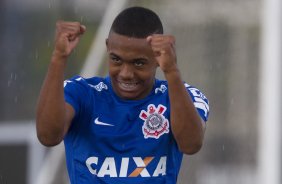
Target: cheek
x,y
147,75
113,70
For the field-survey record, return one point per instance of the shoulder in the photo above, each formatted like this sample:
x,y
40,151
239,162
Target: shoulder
x,y
86,82
199,99
160,87
195,92
76,80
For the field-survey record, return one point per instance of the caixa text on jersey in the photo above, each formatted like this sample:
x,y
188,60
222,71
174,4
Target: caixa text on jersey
x,y
113,167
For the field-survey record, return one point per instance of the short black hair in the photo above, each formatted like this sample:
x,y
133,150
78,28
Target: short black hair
x,y
137,22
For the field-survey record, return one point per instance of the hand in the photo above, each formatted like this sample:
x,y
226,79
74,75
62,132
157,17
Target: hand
x,y
67,37
163,48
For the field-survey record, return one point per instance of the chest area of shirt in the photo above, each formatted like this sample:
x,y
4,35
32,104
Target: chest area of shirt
x,y
150,121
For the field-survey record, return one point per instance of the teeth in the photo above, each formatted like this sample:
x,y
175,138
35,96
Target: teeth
x,y
128,85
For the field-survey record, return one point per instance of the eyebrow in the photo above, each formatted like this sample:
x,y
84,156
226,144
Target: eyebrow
x,y
113,54
134,59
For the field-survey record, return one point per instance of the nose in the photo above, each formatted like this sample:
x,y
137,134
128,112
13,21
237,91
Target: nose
x,y
126,72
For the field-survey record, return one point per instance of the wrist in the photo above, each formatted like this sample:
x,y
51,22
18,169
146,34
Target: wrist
x,y
172,75
171,71
170,67
58,57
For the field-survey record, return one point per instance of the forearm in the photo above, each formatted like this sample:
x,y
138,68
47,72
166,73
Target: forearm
x,y
50,117
186,124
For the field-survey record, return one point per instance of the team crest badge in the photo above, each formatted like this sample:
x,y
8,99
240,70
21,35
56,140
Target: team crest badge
x,y
155,123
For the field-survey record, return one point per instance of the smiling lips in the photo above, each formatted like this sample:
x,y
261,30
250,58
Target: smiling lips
x,y
128,86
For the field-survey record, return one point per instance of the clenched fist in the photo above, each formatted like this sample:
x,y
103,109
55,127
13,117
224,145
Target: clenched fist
x,y
67,37
163,48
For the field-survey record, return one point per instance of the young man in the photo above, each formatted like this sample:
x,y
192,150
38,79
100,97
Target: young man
x,y
127,127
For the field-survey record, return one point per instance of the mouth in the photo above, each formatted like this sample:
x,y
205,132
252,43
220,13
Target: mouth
x,y
128,86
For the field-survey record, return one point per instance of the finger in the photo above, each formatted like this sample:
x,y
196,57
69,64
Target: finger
x,y
67,35
74,42
149,39
71,27
73,33
76,27
162,48
162,39
70,30
165,42
158,52
82,29
77,34
72,37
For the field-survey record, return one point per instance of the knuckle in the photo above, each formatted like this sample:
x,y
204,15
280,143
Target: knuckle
x,y
76,24
172,40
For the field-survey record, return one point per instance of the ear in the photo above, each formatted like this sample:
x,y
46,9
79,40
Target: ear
x,y
107,43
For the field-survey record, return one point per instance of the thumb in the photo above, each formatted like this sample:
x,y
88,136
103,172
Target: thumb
x,y
74,43
82,29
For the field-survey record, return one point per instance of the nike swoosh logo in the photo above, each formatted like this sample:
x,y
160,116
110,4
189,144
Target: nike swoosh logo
x,y
97,122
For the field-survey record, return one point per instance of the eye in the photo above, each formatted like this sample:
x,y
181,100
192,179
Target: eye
x,y
139,63
115,59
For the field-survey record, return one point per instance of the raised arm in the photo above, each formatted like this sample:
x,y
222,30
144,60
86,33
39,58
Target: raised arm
x,y
186,124
54,115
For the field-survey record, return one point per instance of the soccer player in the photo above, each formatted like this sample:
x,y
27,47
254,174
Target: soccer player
x,y
128,127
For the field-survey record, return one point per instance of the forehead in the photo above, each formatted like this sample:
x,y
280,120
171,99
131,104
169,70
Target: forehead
x,y
117,42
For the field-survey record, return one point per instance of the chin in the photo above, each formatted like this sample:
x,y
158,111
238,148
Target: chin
x,y
128,95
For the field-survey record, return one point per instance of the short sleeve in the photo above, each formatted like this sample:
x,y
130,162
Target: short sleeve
x,y
74,92
200,101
